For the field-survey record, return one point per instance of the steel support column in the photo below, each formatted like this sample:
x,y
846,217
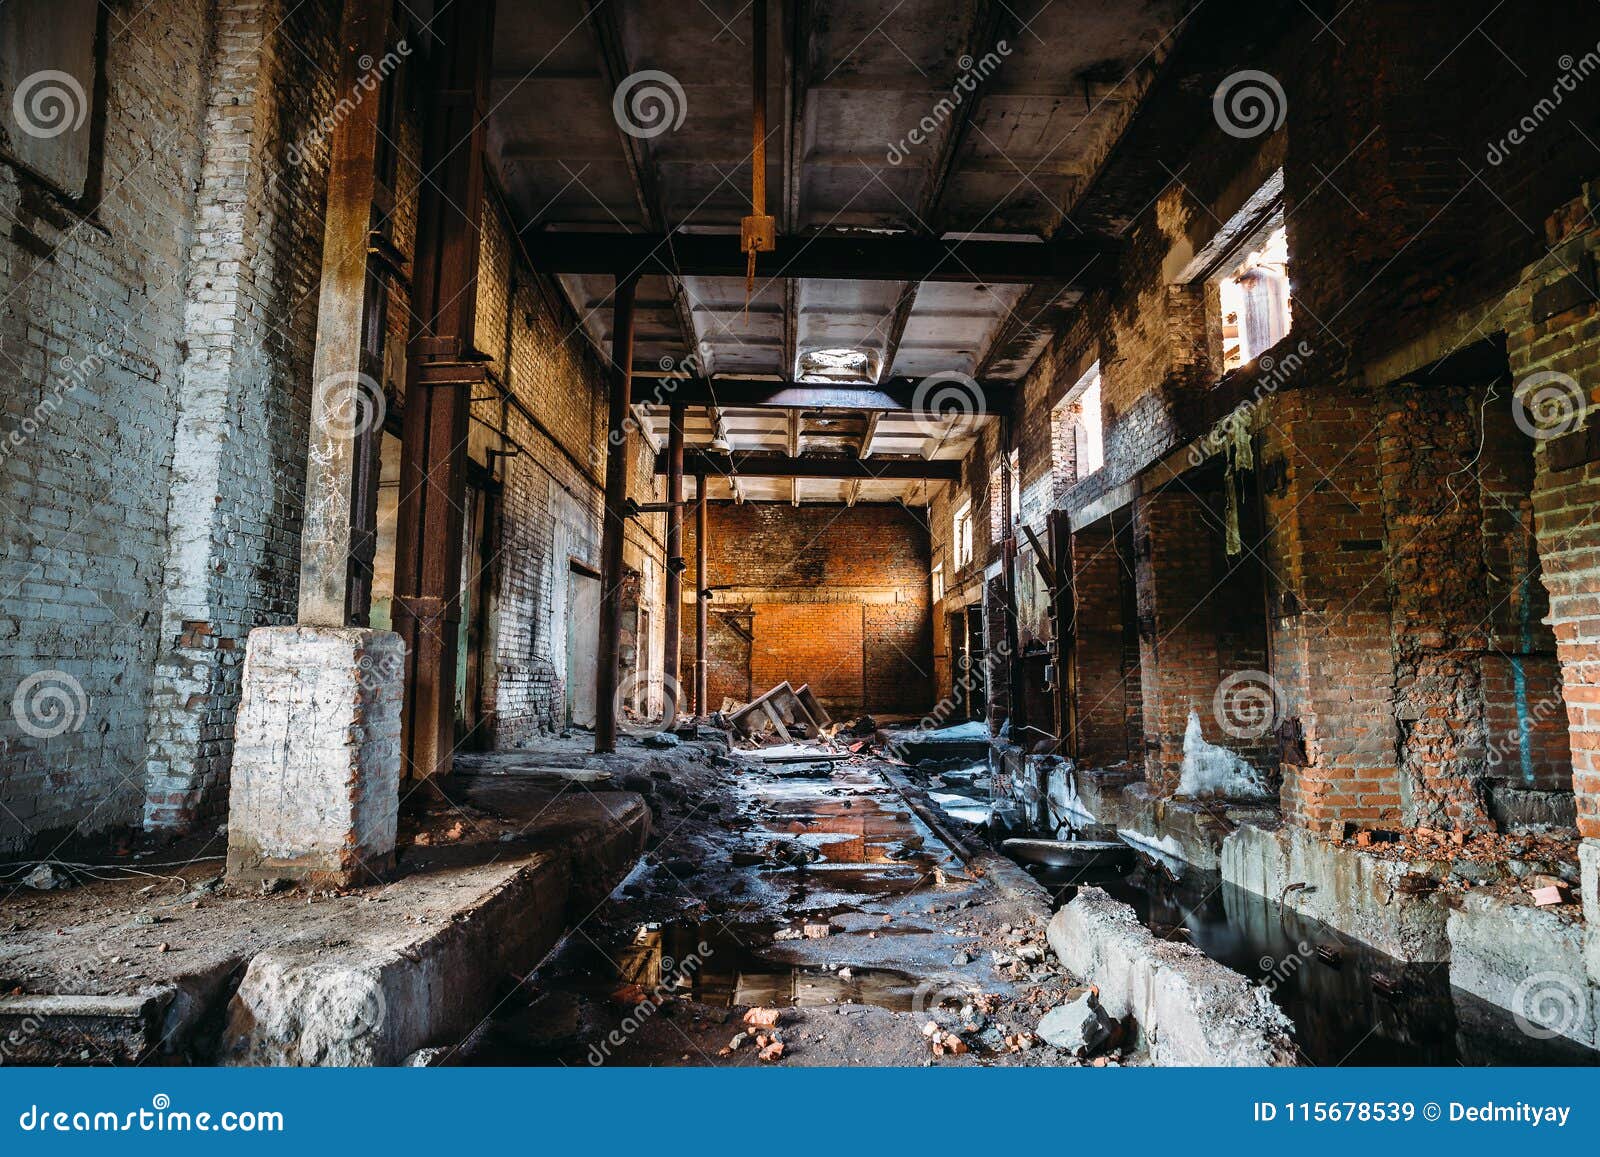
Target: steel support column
x,y
702,607
443,365
607,675
672,657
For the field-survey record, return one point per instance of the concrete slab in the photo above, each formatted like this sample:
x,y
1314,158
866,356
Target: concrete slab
x,y
117,1030
1189,1009
1528,960
363,976
1356,893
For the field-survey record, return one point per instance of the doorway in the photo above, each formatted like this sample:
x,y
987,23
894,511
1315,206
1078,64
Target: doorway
x,y
583,640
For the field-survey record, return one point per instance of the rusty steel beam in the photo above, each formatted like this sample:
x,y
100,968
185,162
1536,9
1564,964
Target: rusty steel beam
x,y
758,464
702,605
671,660
926,396
442,367
609,651
1084,261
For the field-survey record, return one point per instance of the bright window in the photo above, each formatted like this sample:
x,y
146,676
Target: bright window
x,y
938,582
962,534
1077,442
1254,300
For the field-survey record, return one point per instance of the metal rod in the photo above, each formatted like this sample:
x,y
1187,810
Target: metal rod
x,y
671,659
607,674
758,122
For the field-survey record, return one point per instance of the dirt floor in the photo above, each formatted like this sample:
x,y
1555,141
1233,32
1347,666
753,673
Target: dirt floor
x,y
813,894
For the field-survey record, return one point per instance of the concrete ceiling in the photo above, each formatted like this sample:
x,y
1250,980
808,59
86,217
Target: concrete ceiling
x,y
1005,156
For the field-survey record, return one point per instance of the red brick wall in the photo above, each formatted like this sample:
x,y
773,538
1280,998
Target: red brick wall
x,y
1567,490
837,597
1102,679
815,643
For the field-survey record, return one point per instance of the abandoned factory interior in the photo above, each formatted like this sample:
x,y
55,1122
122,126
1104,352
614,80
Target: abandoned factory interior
x,y
768,533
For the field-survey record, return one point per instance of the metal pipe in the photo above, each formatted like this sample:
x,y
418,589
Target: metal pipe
x,y
607,674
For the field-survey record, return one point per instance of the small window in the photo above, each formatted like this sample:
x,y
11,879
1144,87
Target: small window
x,y
1253,299
962,534
1077,443
938,582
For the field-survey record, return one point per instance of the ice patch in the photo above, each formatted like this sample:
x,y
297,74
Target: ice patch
x,y
1210,771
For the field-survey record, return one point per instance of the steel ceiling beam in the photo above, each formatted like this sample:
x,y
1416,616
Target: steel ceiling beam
x,y
753,464
1085,261
894,396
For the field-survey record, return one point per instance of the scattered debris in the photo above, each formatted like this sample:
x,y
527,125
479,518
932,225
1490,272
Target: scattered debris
x,y
45,878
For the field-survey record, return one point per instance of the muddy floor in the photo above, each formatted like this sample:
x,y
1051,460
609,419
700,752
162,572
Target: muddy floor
x,y
811,893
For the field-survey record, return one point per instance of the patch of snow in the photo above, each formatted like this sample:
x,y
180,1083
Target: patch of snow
x,y
1210,771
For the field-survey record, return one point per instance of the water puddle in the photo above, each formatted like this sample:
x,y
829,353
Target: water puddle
x,y
860,845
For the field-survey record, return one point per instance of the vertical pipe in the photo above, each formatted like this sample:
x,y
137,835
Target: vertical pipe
x,y
671,661
610,645
702,608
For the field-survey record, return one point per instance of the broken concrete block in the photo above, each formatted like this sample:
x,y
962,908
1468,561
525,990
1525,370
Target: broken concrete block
x,y
1080,1026
315,790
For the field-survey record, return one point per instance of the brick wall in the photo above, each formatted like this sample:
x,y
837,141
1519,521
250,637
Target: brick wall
x,y
181,310
243,397
551,472
836,597
1552,336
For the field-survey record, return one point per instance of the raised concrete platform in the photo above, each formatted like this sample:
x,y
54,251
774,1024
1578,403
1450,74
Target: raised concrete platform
x,y
123,970
1189,1009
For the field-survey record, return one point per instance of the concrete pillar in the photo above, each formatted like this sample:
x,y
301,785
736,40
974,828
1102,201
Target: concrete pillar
x,y
316,774
314,790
